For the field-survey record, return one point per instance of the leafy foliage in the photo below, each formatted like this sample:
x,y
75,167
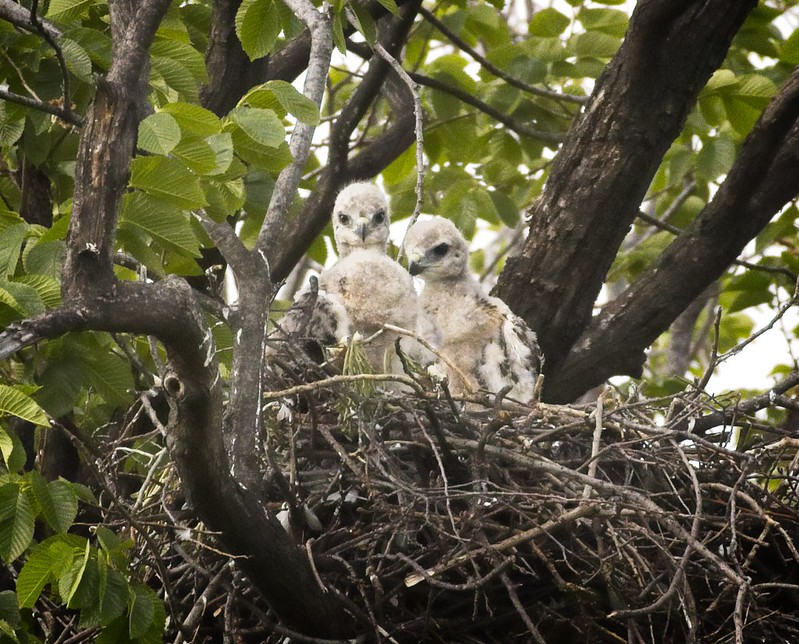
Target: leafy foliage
x,y
474,62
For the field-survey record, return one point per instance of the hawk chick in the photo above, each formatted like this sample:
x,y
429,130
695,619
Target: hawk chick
x,y
490,345
365,289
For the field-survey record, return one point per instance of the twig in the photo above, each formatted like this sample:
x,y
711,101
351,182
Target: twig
x,y
496,71
595,443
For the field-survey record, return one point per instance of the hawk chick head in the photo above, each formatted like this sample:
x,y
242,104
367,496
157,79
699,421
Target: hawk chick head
x,y
360,219
436,250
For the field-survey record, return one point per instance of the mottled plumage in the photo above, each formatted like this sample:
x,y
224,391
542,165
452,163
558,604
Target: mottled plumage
x,y
490,345
365,289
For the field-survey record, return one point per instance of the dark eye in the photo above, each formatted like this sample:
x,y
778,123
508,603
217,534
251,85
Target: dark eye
x,y
344,219
379,217
441,250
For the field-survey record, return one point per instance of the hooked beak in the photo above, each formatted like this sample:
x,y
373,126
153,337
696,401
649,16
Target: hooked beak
x,y
414,268
362,231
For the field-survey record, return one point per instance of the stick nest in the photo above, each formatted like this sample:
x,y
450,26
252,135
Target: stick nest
x,y
606,522
489,521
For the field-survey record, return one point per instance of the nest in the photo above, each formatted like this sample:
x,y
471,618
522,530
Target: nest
x,y
608,522
490,521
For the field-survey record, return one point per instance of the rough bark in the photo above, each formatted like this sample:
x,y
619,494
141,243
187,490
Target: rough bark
x,y
601,174
764,177
340,169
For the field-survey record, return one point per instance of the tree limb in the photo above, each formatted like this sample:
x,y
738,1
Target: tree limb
x,y
764,177
600,176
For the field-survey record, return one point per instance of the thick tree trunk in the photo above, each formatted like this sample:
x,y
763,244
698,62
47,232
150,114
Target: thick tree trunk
x,y
604,168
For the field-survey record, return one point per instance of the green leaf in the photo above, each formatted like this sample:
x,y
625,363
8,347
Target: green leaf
x,y
67,10
47,288
62,380
222,146
114,592
141,611
594,44
12,124
506,208
715,158
365,23
159,133
338,33
176,75
9,608
46,562
16,522
57,502
77,59
390,5
168,179
548,23
15,403
184,53
197,154
69,582
13,452
257,26
608,21
262,126
291,100
193,119
166,226
11,240
110,376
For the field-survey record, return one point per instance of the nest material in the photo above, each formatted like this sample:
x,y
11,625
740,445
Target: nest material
x,y
608,522
604,523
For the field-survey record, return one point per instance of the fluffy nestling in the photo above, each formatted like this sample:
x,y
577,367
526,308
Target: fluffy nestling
x,y
365,289
490,345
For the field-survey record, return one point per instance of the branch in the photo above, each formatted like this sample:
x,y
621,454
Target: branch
x,y
485,108
67,116
20,17
638,107
496,71
287,245
36,21
320,26
764,177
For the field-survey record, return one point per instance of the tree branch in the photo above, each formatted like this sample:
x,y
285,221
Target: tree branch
x,y
600,176
764,177
465,97
293,237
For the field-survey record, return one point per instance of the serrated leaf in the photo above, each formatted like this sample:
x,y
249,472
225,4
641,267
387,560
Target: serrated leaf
x,y
365,23
9,608
47,288
114,591
222,146
77,59
338,33
15,457
62,381
45,563
110,376
11,241
70,580
44,257
57,501
66,10
193,119
294,102
166,226
262,126
12,125
257,26
715,158
184,53
6,446
196,154
506,208
15,403
16,522
168,179
141,610
159,133
177,76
